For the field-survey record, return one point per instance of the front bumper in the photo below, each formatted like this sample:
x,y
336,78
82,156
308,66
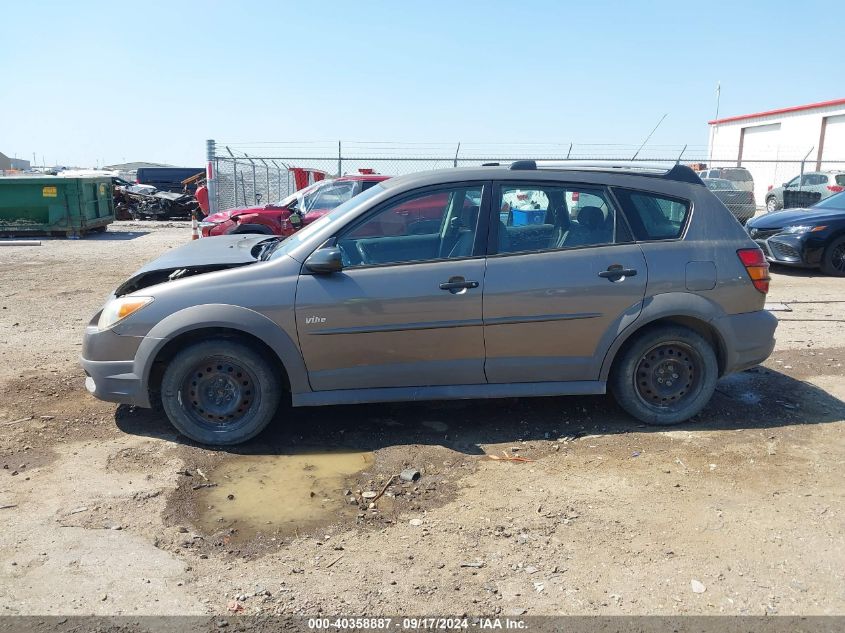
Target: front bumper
x,y
114,381
108,375
792,250
749,338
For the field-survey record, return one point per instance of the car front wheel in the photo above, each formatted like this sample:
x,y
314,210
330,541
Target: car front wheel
x,y
220,392
665,375
833,259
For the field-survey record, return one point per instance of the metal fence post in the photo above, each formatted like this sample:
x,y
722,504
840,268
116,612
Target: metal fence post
x,y
234,175
339,160
255,195
211,176
457,151
267,170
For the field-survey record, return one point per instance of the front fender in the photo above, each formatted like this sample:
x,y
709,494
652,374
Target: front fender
x,y
257,219
670,304
222,316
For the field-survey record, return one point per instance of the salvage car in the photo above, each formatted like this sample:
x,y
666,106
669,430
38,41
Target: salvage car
x,y
652,293
806,238
291,213
739,202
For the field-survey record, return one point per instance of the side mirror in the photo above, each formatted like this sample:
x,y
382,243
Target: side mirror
x,y
785,185
325,261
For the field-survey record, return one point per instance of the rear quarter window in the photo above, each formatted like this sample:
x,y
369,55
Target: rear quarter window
x,y
653,216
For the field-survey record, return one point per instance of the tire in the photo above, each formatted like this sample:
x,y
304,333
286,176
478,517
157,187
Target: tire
x,y
772,204
641,379
833,259
220,392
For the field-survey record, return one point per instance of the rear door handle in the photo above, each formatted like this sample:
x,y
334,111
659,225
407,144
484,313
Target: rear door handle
x,y
617,272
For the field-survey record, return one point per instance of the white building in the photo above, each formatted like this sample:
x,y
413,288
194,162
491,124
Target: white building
x,y
772,144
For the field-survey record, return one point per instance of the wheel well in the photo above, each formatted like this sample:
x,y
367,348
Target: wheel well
x,y
173,347
258,229
834,237
703,328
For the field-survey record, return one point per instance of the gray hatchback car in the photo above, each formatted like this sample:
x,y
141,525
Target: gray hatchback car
x,y
528,280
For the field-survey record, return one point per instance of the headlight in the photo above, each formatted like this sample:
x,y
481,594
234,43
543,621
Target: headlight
x,y
792,230
118,309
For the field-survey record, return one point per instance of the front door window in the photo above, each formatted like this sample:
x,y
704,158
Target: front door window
x,y
429,226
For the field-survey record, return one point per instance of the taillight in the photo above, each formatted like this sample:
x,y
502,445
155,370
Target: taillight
x,y
757,267
835,188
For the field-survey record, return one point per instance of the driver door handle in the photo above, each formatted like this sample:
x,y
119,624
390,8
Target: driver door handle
x,y
458,283
617,272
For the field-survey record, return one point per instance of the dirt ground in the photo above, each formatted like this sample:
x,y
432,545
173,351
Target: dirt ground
x,y
105,510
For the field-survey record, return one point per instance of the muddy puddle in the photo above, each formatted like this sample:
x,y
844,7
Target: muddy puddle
x,y
281,494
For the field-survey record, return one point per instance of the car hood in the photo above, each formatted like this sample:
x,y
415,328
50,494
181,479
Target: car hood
x,y
222,216
779,219
195,257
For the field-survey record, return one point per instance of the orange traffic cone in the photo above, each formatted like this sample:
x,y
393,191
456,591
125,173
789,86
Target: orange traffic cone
x,y
195,233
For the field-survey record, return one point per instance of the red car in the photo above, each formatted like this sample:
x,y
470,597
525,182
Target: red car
x,y
307,204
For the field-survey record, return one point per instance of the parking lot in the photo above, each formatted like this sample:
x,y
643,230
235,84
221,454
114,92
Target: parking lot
x,y
544,506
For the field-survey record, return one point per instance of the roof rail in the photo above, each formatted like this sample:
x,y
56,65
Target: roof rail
x,y
524,164
678,172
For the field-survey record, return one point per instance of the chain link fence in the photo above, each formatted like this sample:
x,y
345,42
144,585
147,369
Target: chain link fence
x,y
251,174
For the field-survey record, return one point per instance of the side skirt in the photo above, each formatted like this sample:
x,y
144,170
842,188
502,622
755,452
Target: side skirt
x,y
450,392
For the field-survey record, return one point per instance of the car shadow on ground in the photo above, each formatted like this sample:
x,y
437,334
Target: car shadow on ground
x,y
759,398
792,271
116,236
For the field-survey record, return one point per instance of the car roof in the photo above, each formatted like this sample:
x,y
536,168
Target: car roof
x,y
545,170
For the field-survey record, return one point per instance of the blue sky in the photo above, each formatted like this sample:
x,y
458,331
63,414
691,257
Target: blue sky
x,y
91,82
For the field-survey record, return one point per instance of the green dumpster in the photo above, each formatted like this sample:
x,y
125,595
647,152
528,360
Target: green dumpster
x,y
55,206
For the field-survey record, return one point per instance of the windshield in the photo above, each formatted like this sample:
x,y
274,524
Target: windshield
x,y
836,201
328,197
298,194
285,246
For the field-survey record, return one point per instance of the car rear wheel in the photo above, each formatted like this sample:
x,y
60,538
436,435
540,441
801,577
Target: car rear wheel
x,y
833,260
772,204
665,375
220,392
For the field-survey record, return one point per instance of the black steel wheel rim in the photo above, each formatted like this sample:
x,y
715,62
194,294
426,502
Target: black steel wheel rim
x,y
668,374
837,257
219,393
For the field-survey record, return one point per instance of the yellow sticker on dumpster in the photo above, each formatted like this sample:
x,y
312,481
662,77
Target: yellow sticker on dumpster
x,y
49,192
102,189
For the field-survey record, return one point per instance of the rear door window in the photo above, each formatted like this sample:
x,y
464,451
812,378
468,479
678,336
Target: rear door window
x,y
543,217
653,216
